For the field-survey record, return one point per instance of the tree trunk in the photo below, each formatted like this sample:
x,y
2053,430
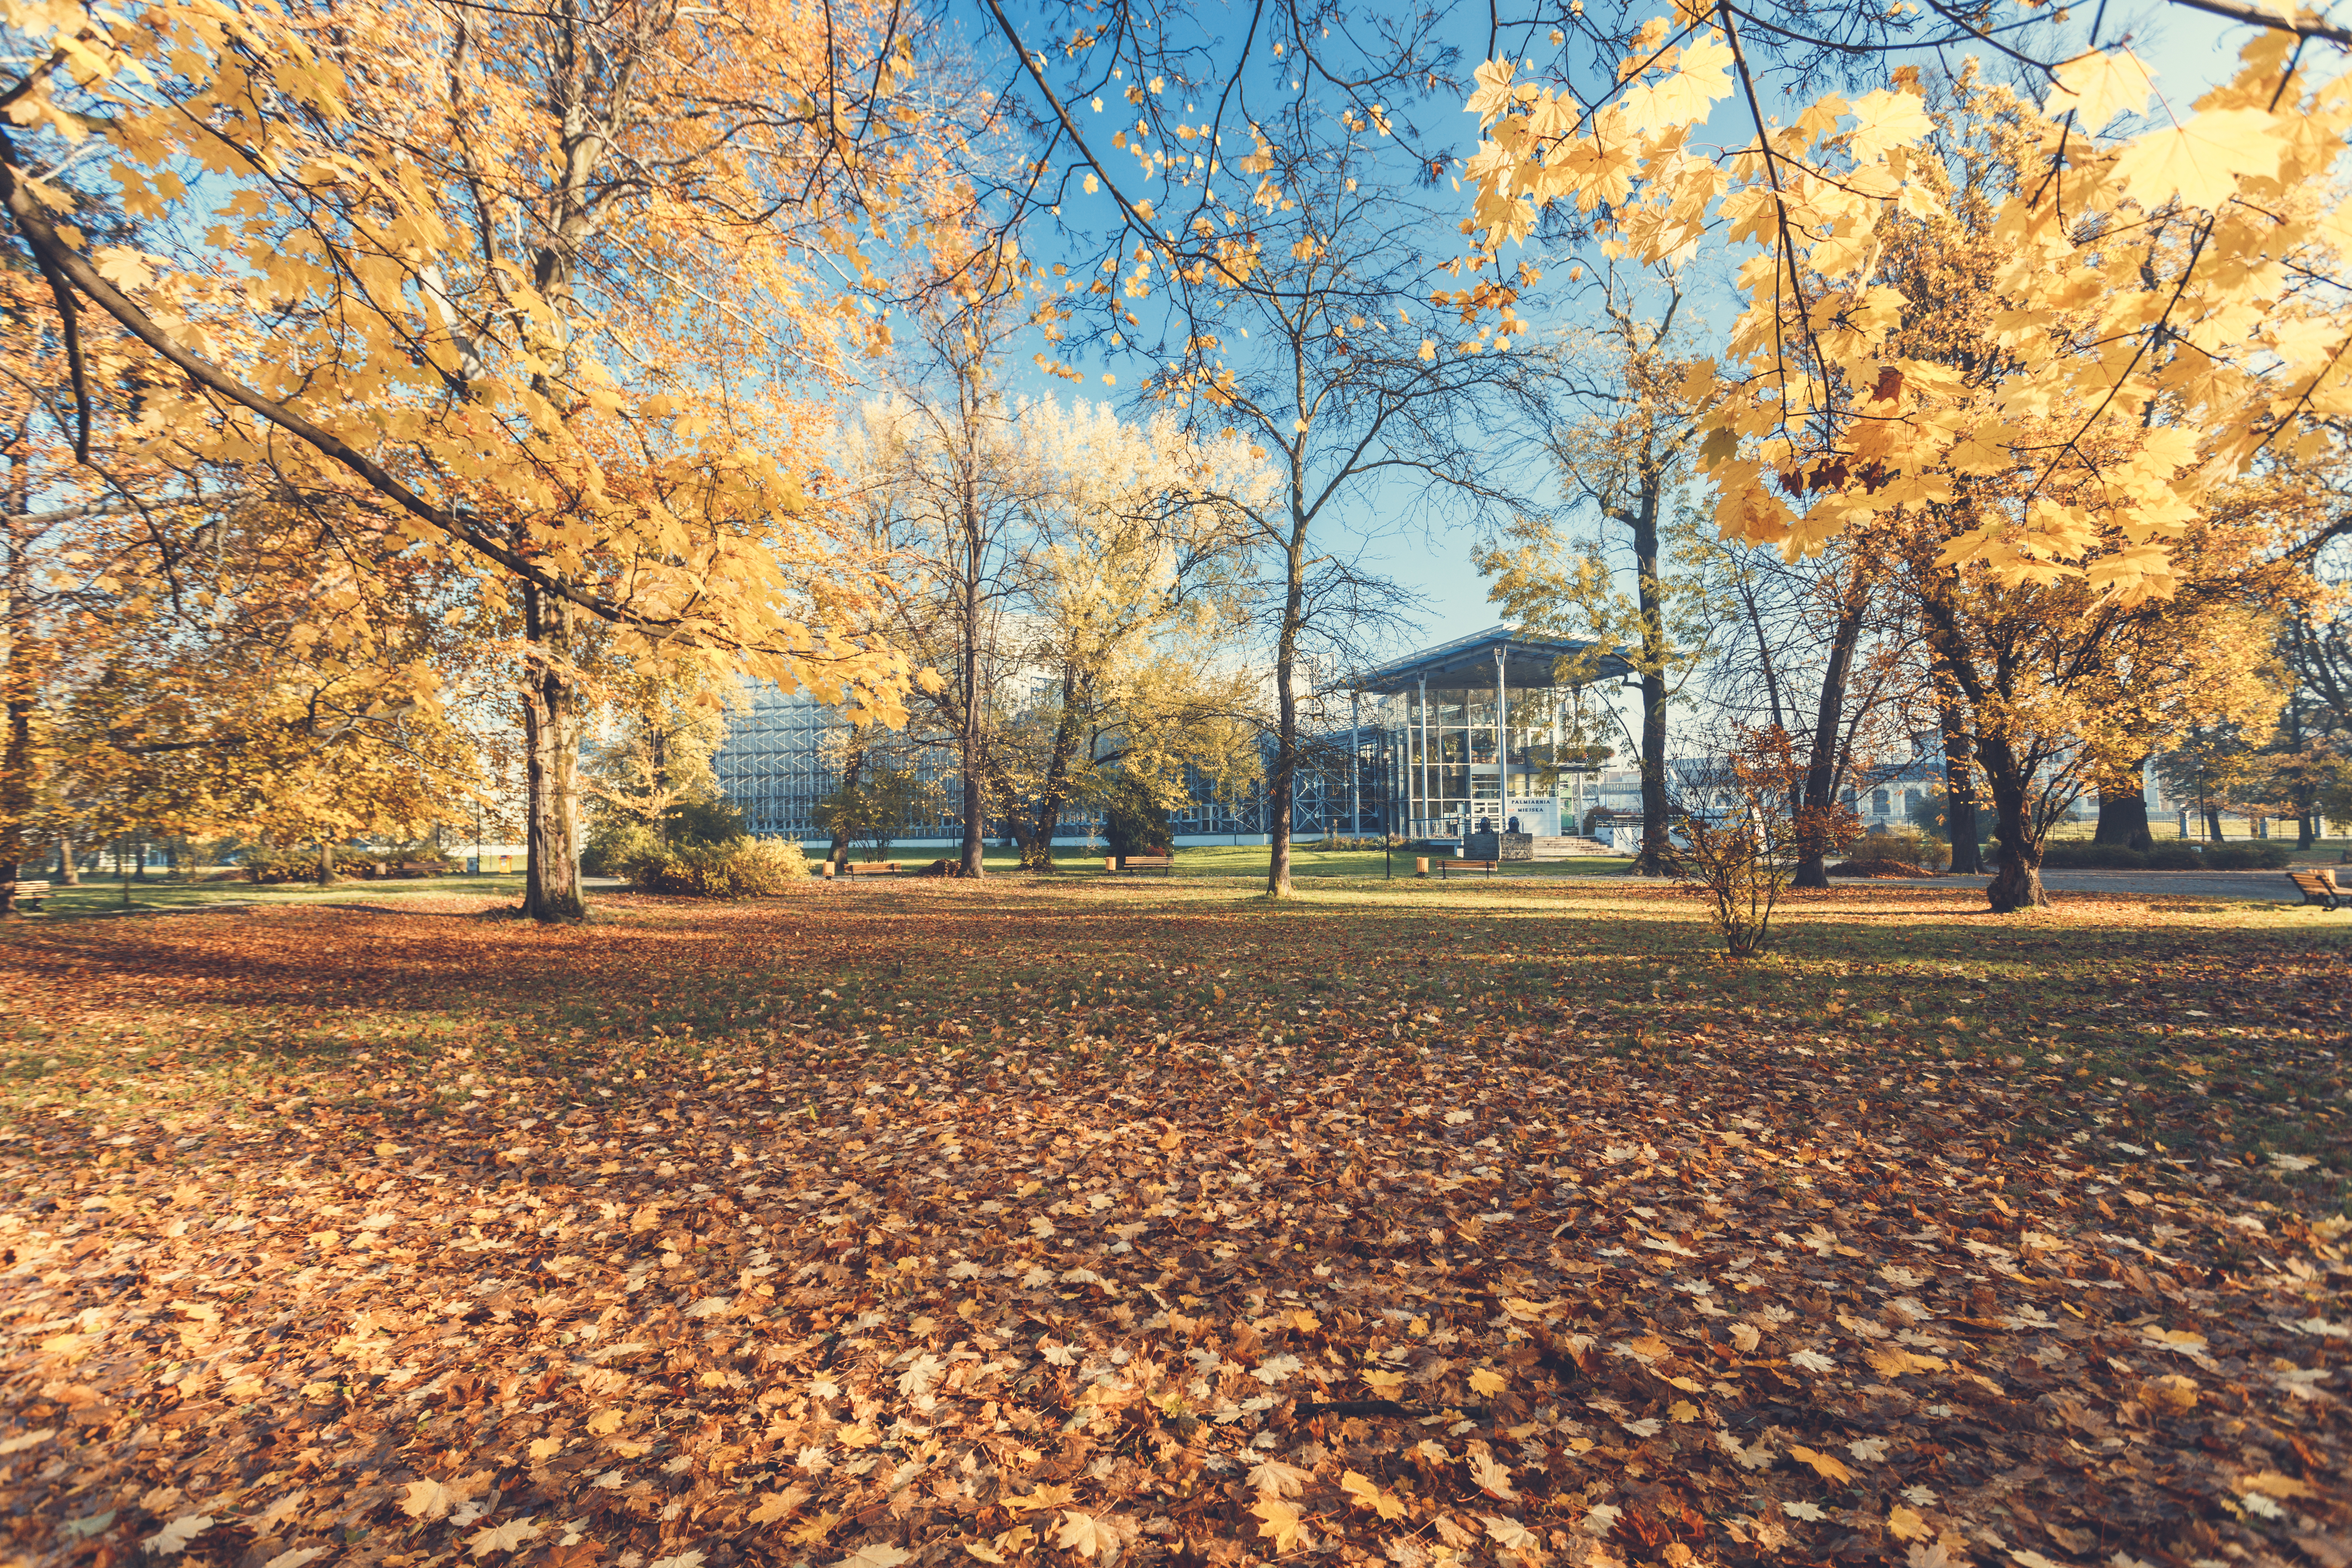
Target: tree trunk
x,y
1960,768
1829,727
2213,824
2307,830
69,869
975,825
17,749
326,862
551,716
2017,884
1037,853
1655,858
853,769
2123,817
1284,773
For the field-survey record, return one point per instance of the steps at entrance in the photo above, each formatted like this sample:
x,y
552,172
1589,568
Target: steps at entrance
x,y
1561,847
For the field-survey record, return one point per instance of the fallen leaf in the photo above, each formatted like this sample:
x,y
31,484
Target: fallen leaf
x,y
1828,1466
507,1537
1279,1522
1272,1477
173,1538
1086,1535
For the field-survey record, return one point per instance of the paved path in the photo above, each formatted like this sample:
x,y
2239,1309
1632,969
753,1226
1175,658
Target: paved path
x,y
2272,886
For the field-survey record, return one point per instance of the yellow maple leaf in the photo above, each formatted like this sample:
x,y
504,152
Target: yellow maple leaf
x,y
2201,161
1487,1381
1368,1493
772,1507
1384,1384
1086,1535
1279,1521
1044,1497
1905,1525
1828,1466
1893,1362
2099,86
1885,119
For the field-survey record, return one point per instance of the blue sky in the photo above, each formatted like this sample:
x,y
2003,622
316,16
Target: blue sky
x,y
2186,51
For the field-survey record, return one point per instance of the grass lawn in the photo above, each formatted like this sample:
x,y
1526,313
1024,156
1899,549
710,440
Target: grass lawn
x,y
1045,1220
97,897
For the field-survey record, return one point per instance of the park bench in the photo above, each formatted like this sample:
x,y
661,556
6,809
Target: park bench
x,y
2318,887
1165,864
1445,868
31,895
861,868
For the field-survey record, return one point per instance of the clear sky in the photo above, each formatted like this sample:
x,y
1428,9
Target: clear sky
x,y
2186,51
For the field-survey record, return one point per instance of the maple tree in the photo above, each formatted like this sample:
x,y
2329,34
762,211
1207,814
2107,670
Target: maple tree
x,y
527,309
1046,560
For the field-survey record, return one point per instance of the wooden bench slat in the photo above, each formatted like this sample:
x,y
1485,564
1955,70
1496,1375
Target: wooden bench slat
x,y
2318,887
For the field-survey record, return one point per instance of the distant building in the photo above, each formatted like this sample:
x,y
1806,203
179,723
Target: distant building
x,y
1469,732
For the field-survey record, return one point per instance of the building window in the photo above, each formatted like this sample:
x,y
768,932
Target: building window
x,y
1878,803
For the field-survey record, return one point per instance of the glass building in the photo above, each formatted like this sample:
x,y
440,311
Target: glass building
x,y
1421,758
1493,727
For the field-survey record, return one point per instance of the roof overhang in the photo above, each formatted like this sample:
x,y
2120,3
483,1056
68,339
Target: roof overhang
x,y
1528,660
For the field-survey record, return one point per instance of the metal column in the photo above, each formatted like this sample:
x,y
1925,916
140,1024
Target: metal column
x,y
1502,736
1423,682
1355,790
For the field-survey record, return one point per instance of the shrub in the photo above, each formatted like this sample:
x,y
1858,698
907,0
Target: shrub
x,y
2075,855
617,846
1879,866
703,822
1134,821
748,868
266,863
2260,855
1914,849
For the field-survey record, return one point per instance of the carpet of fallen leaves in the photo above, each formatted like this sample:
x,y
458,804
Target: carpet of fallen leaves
x,y
920,1223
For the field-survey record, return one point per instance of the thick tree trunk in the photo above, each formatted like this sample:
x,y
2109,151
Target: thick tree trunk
x,y
68,868
16,747
975,825
2122,818
1829,727
2213,823
2306,831
2017,884
551,714
1959,769
326,862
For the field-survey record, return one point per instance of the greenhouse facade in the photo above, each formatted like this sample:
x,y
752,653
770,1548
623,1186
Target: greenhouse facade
x,y
1477,731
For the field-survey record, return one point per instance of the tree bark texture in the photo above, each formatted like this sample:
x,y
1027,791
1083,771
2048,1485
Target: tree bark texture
x,y
1656,856
2017,884
17,746
1279,779
1822,771
2123,817
550,715
68,868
